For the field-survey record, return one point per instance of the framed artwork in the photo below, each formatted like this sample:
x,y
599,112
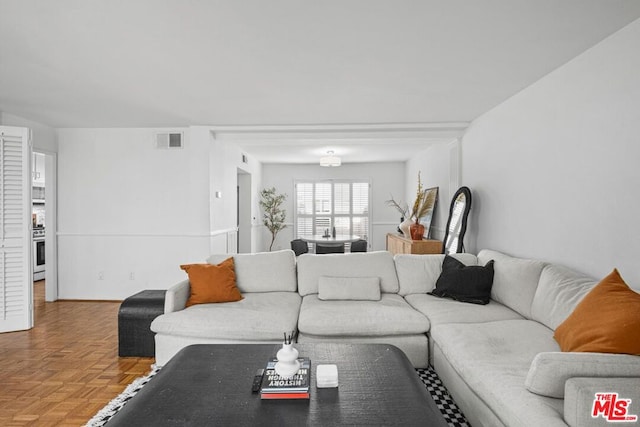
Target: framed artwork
x,y
431,198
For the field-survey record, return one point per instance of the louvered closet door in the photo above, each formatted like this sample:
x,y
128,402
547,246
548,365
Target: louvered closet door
x,y
16,277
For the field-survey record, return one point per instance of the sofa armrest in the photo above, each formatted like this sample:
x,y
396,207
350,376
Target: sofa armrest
x,y
549,371
581,393
176,297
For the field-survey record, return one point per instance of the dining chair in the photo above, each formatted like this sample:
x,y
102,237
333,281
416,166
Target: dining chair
x,y
329,249
299,246
359,246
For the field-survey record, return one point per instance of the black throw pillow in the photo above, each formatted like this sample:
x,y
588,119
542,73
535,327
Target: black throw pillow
x,y
464,283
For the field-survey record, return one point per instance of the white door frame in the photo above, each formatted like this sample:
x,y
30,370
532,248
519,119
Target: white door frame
x,y
50,225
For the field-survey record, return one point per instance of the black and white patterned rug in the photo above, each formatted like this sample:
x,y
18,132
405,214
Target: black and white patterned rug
x,y
445,403
443,400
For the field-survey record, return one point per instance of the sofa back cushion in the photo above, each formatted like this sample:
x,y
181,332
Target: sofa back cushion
x,y
349,288
515,280
365,264
263,271
558,293
417,274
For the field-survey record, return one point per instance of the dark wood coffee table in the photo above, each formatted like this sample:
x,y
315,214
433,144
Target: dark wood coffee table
x,y
211,385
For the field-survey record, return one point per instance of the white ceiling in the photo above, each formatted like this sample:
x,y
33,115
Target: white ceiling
x,y
303,76
352,143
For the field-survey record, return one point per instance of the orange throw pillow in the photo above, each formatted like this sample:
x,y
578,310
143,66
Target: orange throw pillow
x,y
212,283
607,320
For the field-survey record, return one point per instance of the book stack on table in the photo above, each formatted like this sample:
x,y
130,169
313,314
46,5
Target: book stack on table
x,y
276,387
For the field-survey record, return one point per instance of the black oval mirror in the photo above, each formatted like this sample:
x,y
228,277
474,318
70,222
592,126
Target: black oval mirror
x,y
457,222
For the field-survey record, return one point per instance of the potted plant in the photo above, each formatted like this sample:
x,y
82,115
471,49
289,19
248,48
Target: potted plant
x,y
273,214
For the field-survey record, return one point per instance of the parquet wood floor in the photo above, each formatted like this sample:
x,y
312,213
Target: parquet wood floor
x,y
64,370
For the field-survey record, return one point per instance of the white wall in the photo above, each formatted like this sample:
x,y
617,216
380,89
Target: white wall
x,y
438,167
554,170
385,179
225,158
129,214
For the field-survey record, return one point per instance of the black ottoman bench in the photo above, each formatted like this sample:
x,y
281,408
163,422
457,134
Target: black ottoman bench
x,y
136,313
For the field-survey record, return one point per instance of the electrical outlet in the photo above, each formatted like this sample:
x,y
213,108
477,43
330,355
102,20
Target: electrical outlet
x,y
100,275
132,276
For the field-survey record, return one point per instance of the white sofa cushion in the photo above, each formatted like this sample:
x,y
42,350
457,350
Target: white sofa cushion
x,y
417,274
515,280
415,347
493,360
257,317
550,370
367,264
443,310
558,293
263,271
392,315
349,288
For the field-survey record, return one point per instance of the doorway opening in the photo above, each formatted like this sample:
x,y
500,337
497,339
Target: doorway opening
x,y
43,218
245,226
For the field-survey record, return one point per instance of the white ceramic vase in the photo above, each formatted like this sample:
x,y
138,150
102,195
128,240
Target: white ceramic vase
x,y
405,226
288,364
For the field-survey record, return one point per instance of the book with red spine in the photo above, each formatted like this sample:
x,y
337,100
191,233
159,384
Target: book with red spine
x,y
276,387
268,396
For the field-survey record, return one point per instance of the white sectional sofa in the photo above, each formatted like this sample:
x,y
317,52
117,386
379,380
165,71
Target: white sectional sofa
x,y
270,307
353,319
499,361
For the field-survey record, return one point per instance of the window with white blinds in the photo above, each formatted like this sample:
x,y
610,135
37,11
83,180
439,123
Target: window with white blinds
x,y
322,205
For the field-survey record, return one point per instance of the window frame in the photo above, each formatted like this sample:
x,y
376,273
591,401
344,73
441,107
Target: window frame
x,y
332,211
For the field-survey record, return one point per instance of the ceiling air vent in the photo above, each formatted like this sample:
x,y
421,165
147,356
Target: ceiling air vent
x,y
169,140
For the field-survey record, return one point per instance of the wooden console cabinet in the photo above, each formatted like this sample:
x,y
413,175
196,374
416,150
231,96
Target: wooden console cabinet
x,y
397,244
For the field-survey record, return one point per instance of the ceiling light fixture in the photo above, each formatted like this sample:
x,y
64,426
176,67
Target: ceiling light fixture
x,y
330,160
